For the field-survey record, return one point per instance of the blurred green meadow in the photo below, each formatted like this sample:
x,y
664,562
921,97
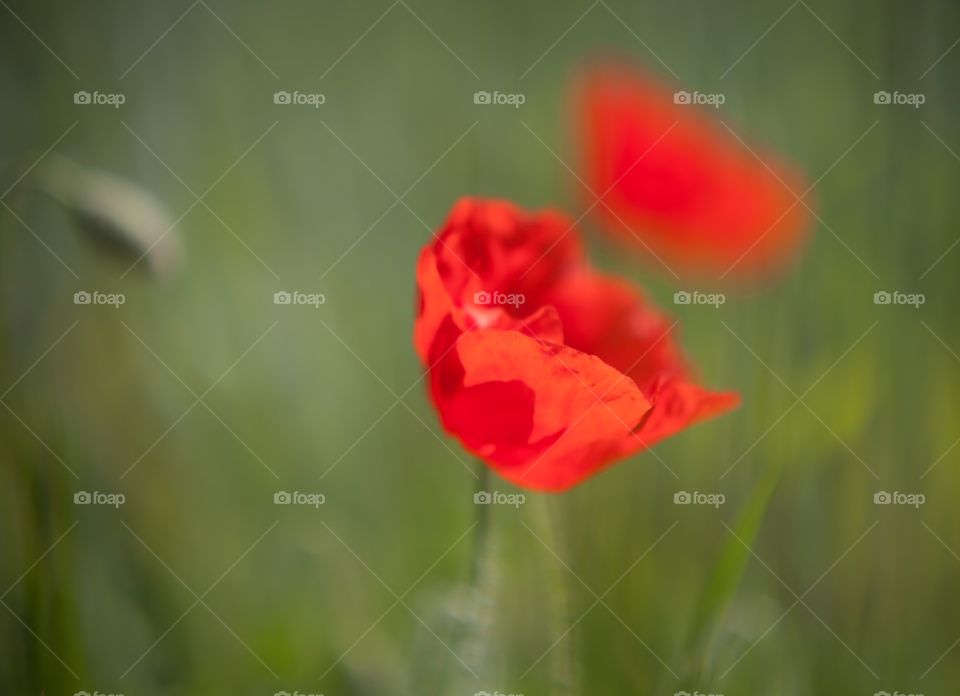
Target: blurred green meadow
x,y
199,399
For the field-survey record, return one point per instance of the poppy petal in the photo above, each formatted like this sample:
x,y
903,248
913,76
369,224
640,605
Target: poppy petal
x,y
609,318
551,390
678,185
543,414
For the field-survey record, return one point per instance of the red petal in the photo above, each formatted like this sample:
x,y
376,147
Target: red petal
x,y
678,405
550,391
488,246
544,415
493,247
609,318
434,303
678,184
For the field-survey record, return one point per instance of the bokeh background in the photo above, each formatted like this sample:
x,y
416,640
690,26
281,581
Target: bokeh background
x,y
199,398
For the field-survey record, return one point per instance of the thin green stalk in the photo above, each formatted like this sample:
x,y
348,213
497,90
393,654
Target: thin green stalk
x,y
563,661
481,536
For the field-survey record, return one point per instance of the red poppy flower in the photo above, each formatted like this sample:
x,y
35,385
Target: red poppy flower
x,y
676,183
544,368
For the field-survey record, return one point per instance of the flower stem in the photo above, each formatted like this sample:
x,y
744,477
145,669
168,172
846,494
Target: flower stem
x,y
482,532
564,662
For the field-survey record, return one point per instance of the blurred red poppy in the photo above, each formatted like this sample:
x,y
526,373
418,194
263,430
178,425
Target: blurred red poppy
x,y
677,184
544,368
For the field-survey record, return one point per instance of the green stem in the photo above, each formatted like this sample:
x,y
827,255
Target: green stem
x,y
482,533
563,662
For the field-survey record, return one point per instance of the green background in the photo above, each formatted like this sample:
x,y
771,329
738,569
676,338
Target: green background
x,y
836,594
